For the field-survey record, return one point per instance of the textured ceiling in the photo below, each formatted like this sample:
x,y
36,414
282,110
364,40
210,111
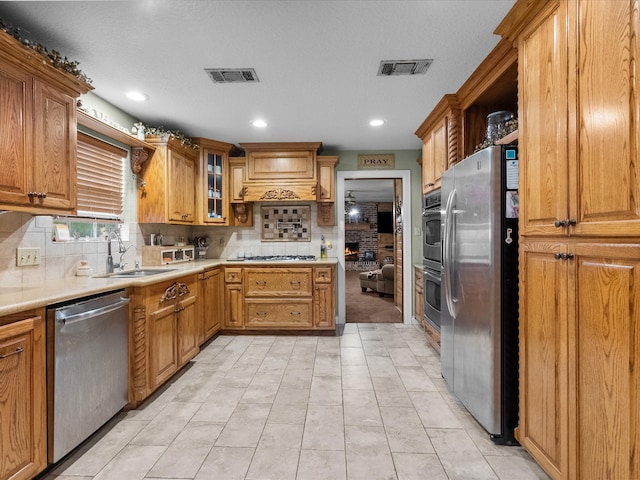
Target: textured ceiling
x,y
317,62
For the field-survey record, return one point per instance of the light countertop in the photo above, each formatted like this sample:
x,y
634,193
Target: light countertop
x,y
48,292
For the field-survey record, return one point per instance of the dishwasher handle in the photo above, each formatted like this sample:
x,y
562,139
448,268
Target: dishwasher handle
x,y
78,317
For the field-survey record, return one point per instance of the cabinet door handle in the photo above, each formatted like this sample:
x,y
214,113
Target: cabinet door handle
x,y
570,222
294,282
15,352
261,314
563,256
295,314
261,283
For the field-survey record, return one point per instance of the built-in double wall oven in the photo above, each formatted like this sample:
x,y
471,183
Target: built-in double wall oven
x,y
432,256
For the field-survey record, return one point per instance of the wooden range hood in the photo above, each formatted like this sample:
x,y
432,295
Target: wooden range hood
x,y
280,171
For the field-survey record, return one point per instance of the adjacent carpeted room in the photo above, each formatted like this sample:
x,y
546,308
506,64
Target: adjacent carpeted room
x,y
368,307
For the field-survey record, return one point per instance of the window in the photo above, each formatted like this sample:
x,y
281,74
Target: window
x,y
100,192
100,178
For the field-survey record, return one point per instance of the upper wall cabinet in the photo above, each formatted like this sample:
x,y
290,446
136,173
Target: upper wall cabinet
x,y
579,128
326,195
440,140
213,193
167,183
39,140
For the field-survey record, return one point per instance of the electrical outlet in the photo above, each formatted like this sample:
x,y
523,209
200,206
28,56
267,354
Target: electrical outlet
x,y
27,256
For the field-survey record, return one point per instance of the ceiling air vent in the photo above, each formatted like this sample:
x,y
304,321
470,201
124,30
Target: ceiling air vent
x,y
404,67
232,75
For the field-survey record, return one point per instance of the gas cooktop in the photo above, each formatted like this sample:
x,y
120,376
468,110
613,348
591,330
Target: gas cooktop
x,y
280,258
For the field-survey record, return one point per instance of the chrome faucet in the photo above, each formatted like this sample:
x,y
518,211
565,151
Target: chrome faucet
x,y
121,250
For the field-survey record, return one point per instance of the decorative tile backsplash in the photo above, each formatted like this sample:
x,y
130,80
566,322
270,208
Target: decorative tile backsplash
x,y
285,223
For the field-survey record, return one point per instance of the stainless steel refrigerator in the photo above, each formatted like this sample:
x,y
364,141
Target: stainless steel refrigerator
x,y
479,331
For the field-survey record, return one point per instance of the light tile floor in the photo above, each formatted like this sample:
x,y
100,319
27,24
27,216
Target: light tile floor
x,y
369,404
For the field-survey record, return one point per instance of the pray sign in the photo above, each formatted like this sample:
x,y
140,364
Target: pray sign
x,y
376,161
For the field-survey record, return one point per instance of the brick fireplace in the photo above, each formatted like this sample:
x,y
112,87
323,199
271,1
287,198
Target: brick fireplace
x,y
351,251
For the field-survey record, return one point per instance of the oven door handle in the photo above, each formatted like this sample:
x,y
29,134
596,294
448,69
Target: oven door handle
x,y
432,276
429,211
447,247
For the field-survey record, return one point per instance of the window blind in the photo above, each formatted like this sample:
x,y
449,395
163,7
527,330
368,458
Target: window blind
x,y
100,178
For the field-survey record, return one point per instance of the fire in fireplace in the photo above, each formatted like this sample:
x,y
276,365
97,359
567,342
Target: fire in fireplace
x,y
351,251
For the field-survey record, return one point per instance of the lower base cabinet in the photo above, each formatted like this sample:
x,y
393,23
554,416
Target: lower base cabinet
x,y
280,298
165,333
579,358
23,426
211,303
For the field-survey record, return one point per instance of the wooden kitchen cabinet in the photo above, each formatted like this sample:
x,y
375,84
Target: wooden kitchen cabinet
x,y
578,148
173,330
213,193
279,298
544,317
167,183
440,135
23,400
39,136
281,161
324,298
579,335
326,195
241,211
233,298
211,303
580,166
164,332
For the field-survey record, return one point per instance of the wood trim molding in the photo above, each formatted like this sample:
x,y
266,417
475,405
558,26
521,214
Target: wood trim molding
x,y
141,151
139,357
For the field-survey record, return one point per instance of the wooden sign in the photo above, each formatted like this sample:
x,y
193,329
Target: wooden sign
x,y
376,161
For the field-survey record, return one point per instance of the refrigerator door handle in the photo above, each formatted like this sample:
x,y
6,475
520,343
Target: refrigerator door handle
x,y
449,231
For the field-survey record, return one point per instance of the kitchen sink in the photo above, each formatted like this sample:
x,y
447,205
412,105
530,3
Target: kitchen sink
x,y
141,272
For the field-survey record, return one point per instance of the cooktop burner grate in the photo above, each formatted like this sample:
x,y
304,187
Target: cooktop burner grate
x,y
277,258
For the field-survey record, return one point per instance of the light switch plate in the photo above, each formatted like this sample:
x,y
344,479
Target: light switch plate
x,y
27,256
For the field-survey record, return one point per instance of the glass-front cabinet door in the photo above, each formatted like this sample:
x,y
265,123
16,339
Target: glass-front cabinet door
x,y
214,196
215,188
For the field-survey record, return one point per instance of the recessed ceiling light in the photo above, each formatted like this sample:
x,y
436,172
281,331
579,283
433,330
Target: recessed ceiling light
x,y
137,96
376,123
259,123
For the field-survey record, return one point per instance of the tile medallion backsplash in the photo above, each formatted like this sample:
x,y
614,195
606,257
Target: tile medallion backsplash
x,y
285,223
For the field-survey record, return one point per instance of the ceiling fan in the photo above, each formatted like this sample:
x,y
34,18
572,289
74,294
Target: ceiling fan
x,y
349,198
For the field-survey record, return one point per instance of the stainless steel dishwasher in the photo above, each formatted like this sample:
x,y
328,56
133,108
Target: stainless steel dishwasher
x,y
87,356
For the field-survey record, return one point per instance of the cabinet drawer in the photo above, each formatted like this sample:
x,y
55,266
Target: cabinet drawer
x,y
323,274
278,282
233,275
277,313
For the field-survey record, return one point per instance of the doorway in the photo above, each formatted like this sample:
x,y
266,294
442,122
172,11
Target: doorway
x,y
370,252
401,179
